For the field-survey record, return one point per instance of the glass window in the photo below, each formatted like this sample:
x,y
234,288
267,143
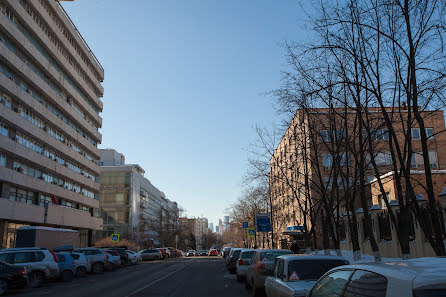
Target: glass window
x,y
365,281
312,269
325,135
327,160
271,256
24,257
7,258
2,160
332,284
433,159
415,133
429,133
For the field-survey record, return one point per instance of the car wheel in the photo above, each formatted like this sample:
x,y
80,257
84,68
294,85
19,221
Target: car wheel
x,y
66,276
239,278
157,258
3,286
36,279
98,267
81,271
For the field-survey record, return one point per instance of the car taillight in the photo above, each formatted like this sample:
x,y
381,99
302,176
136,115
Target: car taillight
x,y
54,256
73,263
261,267
22,271
240,262
107,256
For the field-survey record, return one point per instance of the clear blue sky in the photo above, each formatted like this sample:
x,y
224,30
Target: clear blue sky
x,y
184,85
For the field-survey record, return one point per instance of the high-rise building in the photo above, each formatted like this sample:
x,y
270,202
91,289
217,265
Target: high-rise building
x,y
211,227
50,90
226,222
217,229
132,207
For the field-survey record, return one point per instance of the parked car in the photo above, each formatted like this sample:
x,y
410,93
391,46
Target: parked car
x,y
243,262
203,253
150,254
191,253
81,264
262,263
172,252
40,263
213,252
165,252
226,251
122,254
12,277
295,275
114,260
231,261
134,257
418,277
97,257
66,267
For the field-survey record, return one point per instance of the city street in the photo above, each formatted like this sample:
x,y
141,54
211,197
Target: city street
x,y
184,277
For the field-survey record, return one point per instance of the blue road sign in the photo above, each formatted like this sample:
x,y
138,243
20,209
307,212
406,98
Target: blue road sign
x,y
115,238
251,232
245,225
263,222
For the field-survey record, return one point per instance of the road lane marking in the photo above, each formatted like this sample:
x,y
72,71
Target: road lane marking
x,y
155,281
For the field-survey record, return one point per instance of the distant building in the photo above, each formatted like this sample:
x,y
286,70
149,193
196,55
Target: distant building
x,y
226,222
211,227
50,106
131,206
221,227
217,229
110,157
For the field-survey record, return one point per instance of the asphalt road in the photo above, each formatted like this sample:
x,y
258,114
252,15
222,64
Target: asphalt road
x,y
185,277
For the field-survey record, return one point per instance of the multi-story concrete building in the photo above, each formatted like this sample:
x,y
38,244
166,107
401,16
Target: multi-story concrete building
x,y
226,218
131,206
302,164
50,89
211,227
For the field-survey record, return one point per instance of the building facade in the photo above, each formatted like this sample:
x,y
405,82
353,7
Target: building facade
x,y
132,207
50,90
302,165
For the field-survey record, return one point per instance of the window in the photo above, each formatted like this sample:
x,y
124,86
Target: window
x,y
429,133
3,129
365,281
24,257
325,136
331,285
312,269
416,133
327,160
417,159
7,258
2,160
381,200
433,159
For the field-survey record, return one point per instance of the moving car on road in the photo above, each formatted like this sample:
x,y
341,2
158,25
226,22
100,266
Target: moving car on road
x,y
295,275
242,263
418,277
150,254
12,277
190,253
262,263
40,263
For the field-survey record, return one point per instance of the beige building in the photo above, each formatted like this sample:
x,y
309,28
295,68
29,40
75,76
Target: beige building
x,y
130,205
50,90
303,152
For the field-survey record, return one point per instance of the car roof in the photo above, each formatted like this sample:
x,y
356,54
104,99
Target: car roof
x,y
273,250
420,271
291,257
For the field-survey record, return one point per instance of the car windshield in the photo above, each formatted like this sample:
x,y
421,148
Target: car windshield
x,y
311,269
272,255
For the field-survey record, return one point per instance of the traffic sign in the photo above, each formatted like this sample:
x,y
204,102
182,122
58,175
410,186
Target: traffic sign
x,y
245,225
251,232
115,237
263,222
